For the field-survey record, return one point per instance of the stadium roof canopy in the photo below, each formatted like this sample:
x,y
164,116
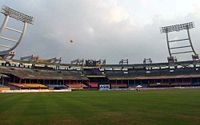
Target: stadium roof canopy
x,y
152,77
42,74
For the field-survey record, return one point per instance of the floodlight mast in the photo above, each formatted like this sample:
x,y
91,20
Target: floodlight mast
x,y
177,28
11,13
7,11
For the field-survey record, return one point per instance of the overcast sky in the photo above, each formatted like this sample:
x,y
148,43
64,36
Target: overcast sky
x,y
104,29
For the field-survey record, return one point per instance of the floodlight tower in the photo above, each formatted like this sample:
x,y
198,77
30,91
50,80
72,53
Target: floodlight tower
x,y
189,46
8,12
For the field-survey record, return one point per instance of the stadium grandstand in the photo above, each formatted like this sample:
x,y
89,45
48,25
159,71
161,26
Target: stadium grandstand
x,y
160,75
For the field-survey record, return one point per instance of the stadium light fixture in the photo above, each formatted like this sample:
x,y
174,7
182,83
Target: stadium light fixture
x,y
177,27
7,11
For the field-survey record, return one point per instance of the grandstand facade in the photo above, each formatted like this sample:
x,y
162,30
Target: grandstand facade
x,y
156,75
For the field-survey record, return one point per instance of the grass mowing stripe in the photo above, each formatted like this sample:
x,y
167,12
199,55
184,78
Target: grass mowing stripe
x,y
8,101
162,107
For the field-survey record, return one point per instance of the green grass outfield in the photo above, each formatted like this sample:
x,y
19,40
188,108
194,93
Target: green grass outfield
x,y
155,107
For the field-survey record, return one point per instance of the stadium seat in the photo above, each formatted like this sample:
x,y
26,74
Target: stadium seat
x,y
3,87
54,86
93,85
119,85
76,86
28,85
